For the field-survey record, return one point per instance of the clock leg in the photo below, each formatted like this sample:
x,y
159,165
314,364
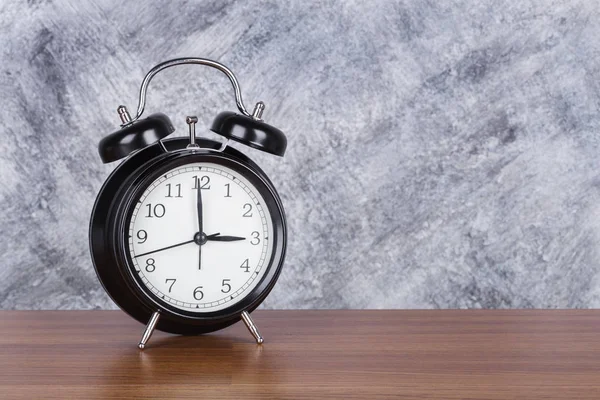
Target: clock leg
x,y
149,330
252,327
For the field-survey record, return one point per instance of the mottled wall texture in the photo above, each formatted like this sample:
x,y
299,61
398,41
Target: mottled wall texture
x,y
442,154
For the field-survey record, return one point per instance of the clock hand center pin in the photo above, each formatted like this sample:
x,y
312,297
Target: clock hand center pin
x,y
200,238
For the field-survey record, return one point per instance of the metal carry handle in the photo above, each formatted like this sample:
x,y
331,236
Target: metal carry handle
x,y
127,120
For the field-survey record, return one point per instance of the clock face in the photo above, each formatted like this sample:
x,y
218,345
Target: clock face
x,y
200,237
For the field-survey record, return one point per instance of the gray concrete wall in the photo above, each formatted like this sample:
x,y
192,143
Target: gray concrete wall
x,y
441,154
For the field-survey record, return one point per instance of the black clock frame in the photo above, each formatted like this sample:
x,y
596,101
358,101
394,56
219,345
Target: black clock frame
x,y
112,212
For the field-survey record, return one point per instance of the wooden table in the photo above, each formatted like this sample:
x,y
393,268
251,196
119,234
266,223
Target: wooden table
x,y
307,354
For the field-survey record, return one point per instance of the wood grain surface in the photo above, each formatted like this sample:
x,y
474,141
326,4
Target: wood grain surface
x,y
472,354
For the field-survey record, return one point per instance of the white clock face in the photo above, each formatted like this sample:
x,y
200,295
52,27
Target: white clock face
x,y
193,268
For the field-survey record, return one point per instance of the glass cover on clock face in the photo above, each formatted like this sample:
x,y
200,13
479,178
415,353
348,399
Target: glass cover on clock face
x,y
200,237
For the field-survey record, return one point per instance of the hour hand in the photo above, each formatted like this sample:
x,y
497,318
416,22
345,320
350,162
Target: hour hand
x,y
218,238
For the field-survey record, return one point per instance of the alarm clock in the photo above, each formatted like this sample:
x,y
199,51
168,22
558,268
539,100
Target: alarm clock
x,y
187,234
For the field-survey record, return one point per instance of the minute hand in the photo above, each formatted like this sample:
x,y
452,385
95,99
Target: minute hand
x,y
225,238
200,228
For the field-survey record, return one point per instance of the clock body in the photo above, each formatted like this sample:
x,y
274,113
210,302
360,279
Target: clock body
x,y
151,254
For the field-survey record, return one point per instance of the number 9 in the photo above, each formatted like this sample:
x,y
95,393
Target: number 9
x,y
142,235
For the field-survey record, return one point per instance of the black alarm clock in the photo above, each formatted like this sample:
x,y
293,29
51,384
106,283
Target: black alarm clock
x,y
187,234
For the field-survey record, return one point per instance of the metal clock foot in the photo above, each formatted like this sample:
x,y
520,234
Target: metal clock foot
x,y
149,330
252,327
